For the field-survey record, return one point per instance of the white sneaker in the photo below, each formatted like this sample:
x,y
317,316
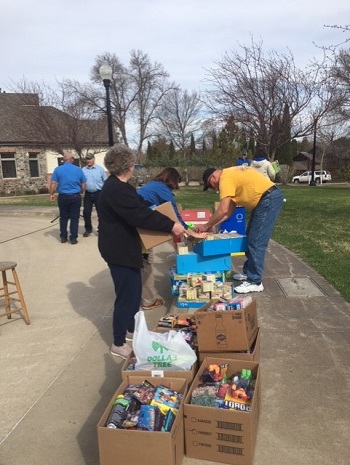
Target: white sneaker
x,y
239,277
129,336
247,287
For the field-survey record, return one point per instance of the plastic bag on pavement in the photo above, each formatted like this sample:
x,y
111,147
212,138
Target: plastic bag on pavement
x,y
163,351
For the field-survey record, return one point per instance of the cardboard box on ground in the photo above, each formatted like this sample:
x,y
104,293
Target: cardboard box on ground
x,y
227,331
220,435
252,355
142,447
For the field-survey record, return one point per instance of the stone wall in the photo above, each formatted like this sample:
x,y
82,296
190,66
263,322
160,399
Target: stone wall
x,y
23,183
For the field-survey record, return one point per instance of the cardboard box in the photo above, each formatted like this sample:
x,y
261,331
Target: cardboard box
x,y
220,435
223,244
151,238
188,375
253,355
191,304
196,216
142,447
195,263
226,331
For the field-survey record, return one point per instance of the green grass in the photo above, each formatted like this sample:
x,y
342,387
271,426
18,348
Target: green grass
x,y
314,224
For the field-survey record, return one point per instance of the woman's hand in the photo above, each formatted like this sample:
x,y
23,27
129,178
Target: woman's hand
x,y
196,235
178,229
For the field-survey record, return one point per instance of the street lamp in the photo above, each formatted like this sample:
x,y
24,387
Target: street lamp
x,y
106,76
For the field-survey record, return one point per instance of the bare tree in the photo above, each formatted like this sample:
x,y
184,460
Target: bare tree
x,y
179,115
136,92
151,86
256,89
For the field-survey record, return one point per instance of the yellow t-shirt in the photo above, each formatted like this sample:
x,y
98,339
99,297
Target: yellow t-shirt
x,y
245,185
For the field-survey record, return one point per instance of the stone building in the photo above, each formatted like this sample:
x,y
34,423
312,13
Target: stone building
x,y
32,140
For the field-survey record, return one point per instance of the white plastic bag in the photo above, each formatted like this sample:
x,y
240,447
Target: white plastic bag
x,y
160,351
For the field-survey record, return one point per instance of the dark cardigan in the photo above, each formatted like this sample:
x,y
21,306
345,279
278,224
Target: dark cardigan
x,y
121,211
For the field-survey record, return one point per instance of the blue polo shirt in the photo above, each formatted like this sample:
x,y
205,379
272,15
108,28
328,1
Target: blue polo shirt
x,y
69,178
95,177
157,193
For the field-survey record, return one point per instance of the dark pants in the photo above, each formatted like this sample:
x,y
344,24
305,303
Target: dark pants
x,y
69,206
128,288
90,199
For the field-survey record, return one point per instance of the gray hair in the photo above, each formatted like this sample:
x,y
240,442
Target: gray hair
x,y
68,156
119,159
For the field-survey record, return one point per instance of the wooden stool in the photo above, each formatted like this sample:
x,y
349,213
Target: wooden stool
x,y
16,289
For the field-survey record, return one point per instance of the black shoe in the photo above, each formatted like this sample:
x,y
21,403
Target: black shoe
x,y
63,240
87,233
74,241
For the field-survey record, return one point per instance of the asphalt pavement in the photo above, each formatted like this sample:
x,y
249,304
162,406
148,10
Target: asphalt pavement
x,y
57,375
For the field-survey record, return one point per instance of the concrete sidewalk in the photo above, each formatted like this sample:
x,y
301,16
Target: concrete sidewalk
x,y
57,376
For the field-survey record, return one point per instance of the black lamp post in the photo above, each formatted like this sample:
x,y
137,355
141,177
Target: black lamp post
x,y
312,181
106,76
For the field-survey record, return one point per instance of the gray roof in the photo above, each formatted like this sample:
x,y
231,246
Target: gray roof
x,y
24,122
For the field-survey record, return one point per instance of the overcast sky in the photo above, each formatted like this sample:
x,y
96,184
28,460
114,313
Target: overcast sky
x,y
56,39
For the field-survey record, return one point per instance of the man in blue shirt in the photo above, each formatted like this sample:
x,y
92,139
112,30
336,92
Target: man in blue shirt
x,y
70,182
95,177
243,159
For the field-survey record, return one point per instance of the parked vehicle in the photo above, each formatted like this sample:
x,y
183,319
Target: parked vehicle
x,y
140,176
319,176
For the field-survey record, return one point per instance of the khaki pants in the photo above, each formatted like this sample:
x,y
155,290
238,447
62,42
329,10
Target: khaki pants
x,y
149,293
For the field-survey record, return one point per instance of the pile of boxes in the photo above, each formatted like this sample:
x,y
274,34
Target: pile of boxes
x,y
225,336
201,269
229,337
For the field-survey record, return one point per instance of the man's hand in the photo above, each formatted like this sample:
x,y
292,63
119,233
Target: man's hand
x,y
52,197
201,228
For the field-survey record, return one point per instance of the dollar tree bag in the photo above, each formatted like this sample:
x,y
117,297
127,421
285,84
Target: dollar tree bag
x,y
163,351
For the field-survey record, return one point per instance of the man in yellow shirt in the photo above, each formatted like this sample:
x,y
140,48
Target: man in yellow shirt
x,y
246,187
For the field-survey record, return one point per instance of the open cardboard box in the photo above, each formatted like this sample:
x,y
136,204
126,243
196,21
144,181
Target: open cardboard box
x,y
124,446
226,331
151,238
220,435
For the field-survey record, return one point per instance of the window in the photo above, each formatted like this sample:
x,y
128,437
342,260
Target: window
x,y
34,165
8,165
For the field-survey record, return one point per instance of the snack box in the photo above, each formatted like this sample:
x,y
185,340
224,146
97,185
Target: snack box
x,y
196,263
143,447
220,435
220,244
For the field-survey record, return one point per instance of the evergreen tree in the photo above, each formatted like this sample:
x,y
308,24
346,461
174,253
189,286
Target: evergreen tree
x,y
150,153
193,146
284,151
171,150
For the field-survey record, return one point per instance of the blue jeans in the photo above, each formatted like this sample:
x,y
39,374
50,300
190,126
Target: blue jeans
x,y
69,206
90,199
259,231
128,289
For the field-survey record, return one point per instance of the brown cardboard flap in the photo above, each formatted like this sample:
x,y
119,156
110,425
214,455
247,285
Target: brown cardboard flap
x,y
152,238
